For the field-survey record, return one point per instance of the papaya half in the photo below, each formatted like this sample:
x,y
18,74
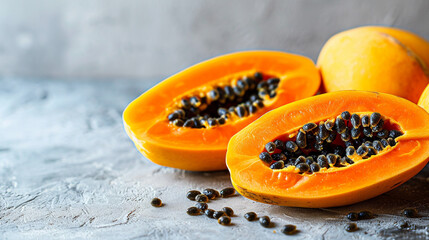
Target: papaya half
x,y
424,99
187,120
330,150
373,58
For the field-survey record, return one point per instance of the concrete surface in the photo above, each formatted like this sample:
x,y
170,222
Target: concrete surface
x,y
68,171
146,39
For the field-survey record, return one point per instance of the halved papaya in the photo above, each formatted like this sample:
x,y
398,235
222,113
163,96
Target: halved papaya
x,y
187,120
288,157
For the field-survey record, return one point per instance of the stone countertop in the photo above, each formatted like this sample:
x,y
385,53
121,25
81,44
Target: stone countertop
x,y
68,171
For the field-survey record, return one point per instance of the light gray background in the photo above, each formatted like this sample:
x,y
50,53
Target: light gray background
x,y
68,68
150,39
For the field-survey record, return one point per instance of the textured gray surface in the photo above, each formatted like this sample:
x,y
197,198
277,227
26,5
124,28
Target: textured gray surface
x,y
68,171
146,38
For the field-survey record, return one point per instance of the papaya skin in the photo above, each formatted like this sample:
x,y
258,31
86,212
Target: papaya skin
x,y
145,118
335,187
424,99
377,59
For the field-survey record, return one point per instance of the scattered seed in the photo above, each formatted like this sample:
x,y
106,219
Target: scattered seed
x,y
156,202
209,213
352,216
192,194
288,229
410,212
211,193
265,221
365,215
227,192
201,198
351,227
229,212
224,220
193,211
250,216
218,214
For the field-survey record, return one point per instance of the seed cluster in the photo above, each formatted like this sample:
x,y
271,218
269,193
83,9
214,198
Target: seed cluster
x,y
201,207
331,143
240,98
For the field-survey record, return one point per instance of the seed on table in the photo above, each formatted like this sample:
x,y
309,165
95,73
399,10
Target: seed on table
x,y
229,212
218,214
288,229
265,221
156,202
201,198
352,216
193,211
410,212
224,220
202,206
250,216
211,193
227,192
209,213
351,227
365,215
192,194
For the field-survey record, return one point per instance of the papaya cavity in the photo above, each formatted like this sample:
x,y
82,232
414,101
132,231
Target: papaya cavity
x,y
396,134
187,120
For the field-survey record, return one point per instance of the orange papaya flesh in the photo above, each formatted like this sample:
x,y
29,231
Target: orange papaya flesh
x,y
172,144
334,186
